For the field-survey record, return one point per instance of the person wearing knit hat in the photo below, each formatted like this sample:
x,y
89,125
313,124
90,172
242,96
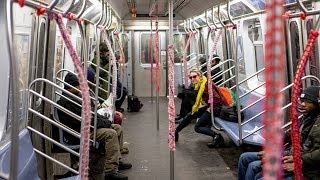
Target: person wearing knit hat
x,y
311,93
108,135
309,131
72,80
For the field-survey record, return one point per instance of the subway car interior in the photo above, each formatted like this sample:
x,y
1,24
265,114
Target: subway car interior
x,y
156,89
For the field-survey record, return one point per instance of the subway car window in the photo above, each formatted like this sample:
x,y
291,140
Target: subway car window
x,y
145,48
178,42
240,58
125,46
294,34
313,60
125,43
255,35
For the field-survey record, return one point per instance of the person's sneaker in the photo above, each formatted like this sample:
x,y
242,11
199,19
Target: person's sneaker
x,y
123,165
115,176
217,141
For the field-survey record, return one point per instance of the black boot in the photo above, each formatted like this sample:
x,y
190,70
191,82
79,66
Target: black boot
x,y
124,166
115,176
176,136
217,141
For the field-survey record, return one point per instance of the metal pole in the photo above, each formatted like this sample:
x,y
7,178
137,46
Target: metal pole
x,y
151,61
157,72
170,42
14,82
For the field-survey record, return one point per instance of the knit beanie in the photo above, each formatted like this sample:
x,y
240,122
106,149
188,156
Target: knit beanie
x,y
311,93
71,79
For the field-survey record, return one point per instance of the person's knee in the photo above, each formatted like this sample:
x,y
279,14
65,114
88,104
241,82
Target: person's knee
x,y
117,127
255,166
108,133
243,158
196,128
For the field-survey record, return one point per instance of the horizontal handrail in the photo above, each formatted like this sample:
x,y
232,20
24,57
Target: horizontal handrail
x,y
67,70
79,118
54,141
100,68
251,90
283,89
251,76
58,124
284,107
55,161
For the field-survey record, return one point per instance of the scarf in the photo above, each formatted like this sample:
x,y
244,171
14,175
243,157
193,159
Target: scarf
x,y
200,86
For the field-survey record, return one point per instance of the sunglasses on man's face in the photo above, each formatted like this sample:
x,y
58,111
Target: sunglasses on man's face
x,y
193,77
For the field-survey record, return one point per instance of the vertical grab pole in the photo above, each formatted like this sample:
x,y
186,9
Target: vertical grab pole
x,y
151,60
98,73
157,70
171,107
7,7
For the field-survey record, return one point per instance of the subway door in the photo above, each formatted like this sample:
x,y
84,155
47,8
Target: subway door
x,y
142,66
126,75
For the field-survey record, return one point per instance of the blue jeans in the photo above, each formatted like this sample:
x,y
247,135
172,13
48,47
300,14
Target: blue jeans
x,y
202,125
259,177
249,166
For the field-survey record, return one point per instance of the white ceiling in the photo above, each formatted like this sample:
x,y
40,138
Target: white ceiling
x,y
188,8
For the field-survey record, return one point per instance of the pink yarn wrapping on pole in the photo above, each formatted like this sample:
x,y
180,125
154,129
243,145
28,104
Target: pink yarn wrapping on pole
x,y
295,134
214,47
157,59
171,107
122,59
86,107
151,60
185,65
274,75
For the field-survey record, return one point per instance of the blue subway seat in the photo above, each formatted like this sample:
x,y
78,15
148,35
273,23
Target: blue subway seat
x,y
232,128
27,163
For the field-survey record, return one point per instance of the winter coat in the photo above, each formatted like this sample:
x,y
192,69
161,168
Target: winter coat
x,y
311,148
310,145
73,123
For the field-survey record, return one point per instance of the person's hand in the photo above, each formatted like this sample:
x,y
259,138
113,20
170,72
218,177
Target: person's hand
x,y
288,167
209,109
261,154
287,159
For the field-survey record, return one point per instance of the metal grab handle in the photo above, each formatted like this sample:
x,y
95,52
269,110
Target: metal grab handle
x,y
82,9
69,8
219,18
101,16
214,23
53,4
304,10
229,16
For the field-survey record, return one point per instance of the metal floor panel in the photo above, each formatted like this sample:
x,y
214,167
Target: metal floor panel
x,y
149,152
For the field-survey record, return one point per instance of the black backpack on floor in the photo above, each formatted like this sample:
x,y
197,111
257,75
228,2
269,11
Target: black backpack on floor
x,y
134,104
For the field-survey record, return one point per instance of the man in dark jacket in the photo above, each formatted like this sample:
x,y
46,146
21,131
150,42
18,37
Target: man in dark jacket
x,y
250,163
216,72
104,160
122,91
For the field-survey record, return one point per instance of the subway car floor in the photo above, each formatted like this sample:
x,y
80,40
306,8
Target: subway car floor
x,y
149,152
